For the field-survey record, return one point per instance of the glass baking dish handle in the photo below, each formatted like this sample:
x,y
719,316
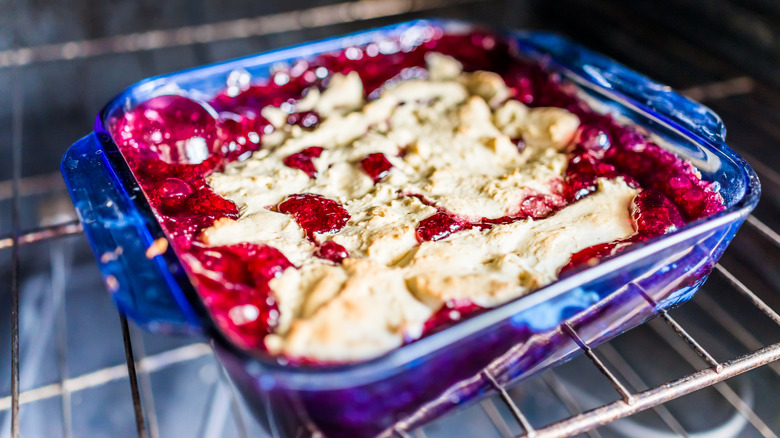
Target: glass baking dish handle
x,y
135,265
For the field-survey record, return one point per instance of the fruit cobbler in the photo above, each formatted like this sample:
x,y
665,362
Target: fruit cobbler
x,y
360,200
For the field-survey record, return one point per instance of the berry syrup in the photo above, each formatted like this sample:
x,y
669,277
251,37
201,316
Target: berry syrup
x,y
315,213
172,143
376,166
330,250
304,160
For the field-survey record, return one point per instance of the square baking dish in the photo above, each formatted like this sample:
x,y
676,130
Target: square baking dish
x,y
420,381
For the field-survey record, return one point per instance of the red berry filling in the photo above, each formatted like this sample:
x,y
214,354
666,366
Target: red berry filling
x,y
239,297
239,133
440,225
376,166
306,119
330,250
654,214
174,129
304,160
171,194
315,213
590,256
451,311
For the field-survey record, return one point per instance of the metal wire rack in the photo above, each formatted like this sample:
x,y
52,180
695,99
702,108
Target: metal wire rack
x,y
609,363
505,408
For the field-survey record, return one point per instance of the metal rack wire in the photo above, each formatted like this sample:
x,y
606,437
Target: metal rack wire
x,y
615,369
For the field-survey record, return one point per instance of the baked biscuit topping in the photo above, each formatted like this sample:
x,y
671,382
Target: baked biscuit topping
x,y
450,143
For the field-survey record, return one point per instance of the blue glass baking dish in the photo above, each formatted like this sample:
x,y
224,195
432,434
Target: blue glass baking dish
x,y
420,381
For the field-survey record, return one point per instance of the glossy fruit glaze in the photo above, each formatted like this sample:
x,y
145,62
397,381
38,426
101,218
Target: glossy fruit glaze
x,y
173,142
304,160
315,214
376,166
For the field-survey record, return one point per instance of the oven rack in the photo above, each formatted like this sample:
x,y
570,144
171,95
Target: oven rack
x,y
607,362
633,394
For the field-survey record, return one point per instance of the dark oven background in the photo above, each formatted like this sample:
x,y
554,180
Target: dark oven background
x,y
61,61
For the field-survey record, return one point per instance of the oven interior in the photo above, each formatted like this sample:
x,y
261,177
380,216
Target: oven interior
x,y
74,367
